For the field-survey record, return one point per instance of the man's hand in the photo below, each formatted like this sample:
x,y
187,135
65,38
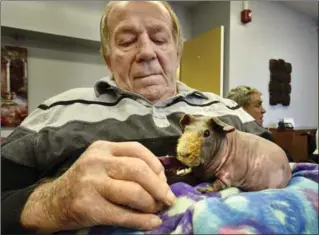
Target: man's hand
x,y
118,184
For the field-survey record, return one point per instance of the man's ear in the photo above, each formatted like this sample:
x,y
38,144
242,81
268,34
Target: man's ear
x,y
179,54
108,62
219,125
106,58
186,120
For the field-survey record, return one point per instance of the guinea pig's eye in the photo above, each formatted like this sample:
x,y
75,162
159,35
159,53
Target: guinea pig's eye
x,y
206,133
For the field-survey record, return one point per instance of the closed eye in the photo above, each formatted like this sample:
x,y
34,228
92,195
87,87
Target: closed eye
x,y
159,42
159,37
126,43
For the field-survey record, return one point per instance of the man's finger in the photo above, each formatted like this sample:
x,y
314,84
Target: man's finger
x,y
137,150
128,193
107,213
134,169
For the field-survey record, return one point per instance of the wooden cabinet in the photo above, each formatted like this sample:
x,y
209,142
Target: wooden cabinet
x,y
295,141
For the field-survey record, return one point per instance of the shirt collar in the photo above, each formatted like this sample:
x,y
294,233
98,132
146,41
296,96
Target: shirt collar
x,y
107,83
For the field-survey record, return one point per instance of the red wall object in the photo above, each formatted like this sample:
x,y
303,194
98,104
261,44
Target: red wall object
x,y
246,16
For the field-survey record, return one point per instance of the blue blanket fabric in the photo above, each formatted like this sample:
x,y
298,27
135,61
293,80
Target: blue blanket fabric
x,y
292,210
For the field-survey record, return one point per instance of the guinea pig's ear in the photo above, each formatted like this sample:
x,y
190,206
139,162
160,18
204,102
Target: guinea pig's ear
x,y
186,120
219,125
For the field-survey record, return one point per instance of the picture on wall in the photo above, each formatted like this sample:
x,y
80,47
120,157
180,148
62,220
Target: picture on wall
x,y
280,82
14,85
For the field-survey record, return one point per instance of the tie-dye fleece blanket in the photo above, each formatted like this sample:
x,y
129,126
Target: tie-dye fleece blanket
x,y
292,210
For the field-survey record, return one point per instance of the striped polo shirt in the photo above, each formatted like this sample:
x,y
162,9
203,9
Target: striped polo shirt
x,y
76,118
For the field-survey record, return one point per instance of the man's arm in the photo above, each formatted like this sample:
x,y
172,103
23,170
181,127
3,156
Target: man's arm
x,y
17,183
93,188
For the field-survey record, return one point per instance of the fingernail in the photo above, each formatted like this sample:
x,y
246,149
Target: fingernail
x,y
170,198
162,176
155,222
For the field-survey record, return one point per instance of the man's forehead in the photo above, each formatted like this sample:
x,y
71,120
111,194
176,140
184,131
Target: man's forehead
x,y
122,4
123,9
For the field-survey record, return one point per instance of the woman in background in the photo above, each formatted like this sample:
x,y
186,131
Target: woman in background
x,y
249,99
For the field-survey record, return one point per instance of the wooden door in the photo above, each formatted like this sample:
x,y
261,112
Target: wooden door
x,y
202,61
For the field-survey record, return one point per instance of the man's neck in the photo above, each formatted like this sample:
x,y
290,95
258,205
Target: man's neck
x,y
163,98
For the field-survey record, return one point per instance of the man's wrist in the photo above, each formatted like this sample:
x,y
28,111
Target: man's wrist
x,y
39,213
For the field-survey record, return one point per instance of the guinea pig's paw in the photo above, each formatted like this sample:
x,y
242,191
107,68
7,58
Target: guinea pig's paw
x,y
207,189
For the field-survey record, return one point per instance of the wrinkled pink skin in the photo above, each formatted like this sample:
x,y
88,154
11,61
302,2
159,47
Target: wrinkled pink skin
x,y
248,162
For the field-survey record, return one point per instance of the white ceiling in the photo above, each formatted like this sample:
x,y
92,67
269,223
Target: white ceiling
x,y
308,7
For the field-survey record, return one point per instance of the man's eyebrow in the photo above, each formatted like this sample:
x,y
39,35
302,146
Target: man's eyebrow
x,y
132,29
157,28
126,29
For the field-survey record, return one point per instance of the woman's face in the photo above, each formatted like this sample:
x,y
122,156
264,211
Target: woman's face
x,y
255,108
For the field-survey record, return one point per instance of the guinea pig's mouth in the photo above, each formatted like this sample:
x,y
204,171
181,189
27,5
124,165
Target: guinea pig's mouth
x,y
189,159
193,163
174,166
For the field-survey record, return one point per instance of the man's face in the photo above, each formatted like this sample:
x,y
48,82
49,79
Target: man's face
x,y
255,108
143,55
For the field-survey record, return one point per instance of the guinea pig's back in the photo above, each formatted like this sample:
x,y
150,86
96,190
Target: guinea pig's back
x,y
268,164
261,147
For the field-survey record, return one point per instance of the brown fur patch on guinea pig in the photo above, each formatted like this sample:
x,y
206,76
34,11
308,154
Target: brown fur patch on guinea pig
x,y
189,143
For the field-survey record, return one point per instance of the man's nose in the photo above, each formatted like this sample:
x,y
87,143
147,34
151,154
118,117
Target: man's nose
x,y
146,50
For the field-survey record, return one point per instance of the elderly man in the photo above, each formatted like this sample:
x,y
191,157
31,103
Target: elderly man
x,y
82,157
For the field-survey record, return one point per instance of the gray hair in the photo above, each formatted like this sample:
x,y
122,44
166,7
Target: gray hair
x,y
242,94
104,31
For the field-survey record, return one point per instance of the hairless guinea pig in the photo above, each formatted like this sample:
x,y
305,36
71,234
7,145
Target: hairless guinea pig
x,y
213,148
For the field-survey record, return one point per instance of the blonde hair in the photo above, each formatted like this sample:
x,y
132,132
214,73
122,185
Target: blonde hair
x,y
104,31
242,94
